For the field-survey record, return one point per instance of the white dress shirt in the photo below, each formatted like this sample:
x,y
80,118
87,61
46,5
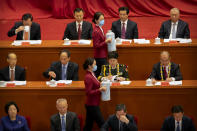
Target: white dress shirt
x,y
10,71
124,24
167,67
180,125
61,118
176,24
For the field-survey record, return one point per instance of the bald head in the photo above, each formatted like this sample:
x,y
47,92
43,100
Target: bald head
x,y
62,105
165,58
174,14
12,59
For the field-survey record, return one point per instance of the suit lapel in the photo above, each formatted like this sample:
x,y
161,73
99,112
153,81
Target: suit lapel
x,y
59,68
173,123
83,28
58,121
16,72
178,28
119,27
68,71
67,121
31,31
127,28
74,27
7,73
169,27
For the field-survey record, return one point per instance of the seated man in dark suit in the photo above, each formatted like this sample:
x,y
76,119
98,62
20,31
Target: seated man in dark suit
x,y
165,70
12,72
124,28
64,120
78,29
121,121
19,29
63,69
174,28
178,122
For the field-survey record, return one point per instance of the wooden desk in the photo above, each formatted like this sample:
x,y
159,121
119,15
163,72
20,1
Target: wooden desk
x,y
139,58
150,104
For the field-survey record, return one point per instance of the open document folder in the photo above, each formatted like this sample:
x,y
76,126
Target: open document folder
x,y
31,42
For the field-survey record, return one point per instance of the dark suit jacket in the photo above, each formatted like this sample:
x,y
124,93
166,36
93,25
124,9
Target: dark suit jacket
x,y
131,30
169,124
72,34
113,124
72,71
174,72
34,31
19,74
72,122
182,30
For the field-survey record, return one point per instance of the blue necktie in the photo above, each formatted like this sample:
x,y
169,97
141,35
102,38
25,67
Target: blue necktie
x,y
63,124
63,72
178,127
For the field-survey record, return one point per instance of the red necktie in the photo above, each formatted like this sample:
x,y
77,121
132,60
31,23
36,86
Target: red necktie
x,y
26,35
12,75
165,72
79,31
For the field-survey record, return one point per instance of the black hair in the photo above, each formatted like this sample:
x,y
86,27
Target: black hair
x,y
113,54
177,109
120,107
97,16
8,56
88,61
27,16
124,8
78,10
65,51
7,106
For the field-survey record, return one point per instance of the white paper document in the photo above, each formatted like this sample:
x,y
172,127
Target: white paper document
x,y
180,40
17,83
84,42
125,82
31,42
175,83
141,41
53,82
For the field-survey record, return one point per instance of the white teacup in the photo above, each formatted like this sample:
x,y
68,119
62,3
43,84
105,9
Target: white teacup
x,y
157,41
27,28
2,83
149,82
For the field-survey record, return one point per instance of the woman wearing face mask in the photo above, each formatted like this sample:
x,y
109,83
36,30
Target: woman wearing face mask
x,y
13,122
99,42
93,95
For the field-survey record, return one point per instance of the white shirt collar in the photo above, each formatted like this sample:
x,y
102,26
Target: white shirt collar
x,y
79,23
65,65
63,115
12,69
124,22
175,23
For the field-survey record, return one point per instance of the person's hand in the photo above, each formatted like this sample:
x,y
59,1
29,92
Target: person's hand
x,y
109,77
168,79
103,88
124,119
153,81
20,28
120,78
52,74
108,40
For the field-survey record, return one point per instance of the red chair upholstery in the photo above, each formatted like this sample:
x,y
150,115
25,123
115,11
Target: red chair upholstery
x,y
80,121
28,119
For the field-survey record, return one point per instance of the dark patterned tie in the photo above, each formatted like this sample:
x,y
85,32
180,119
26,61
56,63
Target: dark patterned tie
x,y
79,31
123,31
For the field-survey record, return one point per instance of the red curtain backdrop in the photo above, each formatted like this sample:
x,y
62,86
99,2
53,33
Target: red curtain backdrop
x,y
13,9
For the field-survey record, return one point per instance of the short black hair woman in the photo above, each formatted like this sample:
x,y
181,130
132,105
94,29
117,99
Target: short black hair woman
x,y
99,42
13,121
93,95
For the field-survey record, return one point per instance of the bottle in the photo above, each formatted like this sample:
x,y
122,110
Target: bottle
x,y
112,45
